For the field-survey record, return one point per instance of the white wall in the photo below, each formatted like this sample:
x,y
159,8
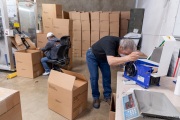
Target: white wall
x,y
159,19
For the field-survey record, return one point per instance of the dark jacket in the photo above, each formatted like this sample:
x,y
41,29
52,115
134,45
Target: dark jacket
x,y
51,48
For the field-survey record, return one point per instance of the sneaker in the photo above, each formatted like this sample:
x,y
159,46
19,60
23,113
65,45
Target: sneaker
x,y
46,73
96,103
108,100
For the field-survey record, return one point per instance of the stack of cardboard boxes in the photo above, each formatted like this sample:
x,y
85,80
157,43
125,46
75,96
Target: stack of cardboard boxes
x,y
104,24
114,23
55,20
85,21
76,40
50,12
95,27
89,27
125,16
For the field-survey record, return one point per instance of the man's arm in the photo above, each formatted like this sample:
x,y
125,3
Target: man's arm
x,y
121,60
47,47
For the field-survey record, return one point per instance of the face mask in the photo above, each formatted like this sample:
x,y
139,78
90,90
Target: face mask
x,y
122,55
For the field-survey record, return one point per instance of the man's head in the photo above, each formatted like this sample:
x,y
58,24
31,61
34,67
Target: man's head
x,y
50,35
126,47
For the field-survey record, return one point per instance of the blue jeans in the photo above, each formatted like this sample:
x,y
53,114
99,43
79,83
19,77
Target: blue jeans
x,y
93,65
44,63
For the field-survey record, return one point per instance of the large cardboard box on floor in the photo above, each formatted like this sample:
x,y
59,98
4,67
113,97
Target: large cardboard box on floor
x,y
28,63
41,40
67,93
112,111
10,105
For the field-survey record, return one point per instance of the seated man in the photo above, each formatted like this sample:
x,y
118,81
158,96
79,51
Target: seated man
x,y
50,50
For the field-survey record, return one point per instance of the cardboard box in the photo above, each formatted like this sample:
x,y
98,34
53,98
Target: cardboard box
x,y
77,53
65,15
123,32
95,25
86,35
52,10
77,44
85,16
104,16
124,24
94,35
62,27
47,28
28,63
84,53
92,42
75,15
85,25
41,40
102,34
76,25
112,111
76,35
104,26
114,23
125,14
114,27
85,45
95,16
114,17
114,34
10,104
67,93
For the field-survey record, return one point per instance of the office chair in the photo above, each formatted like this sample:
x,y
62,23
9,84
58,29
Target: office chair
x,y
62,54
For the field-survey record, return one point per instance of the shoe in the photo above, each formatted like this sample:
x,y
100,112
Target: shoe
x,y
96,103
46,73
108,100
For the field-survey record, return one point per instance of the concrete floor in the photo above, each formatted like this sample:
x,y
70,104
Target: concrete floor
x,y
33,93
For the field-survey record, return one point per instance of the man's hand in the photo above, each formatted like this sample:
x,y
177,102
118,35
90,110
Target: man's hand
x,y
133,56
37,48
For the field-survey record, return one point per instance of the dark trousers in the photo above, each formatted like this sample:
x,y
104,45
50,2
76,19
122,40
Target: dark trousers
x,y
93,65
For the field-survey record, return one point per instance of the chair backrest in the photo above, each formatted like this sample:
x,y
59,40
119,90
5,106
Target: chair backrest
x,y
63,51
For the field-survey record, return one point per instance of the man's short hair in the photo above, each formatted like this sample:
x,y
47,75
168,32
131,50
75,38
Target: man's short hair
x,y
128,44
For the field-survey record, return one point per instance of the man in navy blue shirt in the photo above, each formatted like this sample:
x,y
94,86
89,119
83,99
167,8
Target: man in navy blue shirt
x,y
50,50
109,50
